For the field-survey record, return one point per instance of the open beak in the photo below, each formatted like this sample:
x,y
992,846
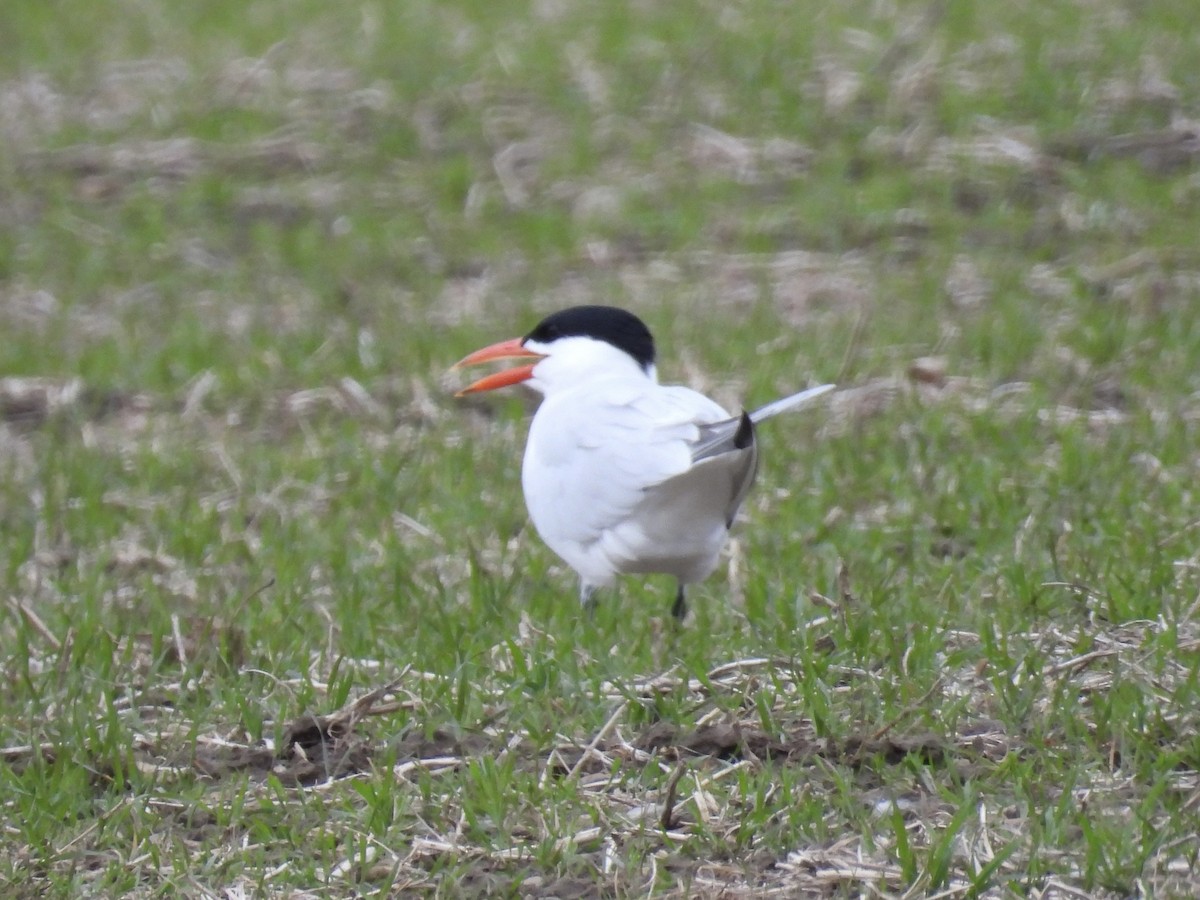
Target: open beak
x,y
512,349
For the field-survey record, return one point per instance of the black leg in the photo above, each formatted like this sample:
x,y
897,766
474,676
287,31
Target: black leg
x,y
679,609
587,597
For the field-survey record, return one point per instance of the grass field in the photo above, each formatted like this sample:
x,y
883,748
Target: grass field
x,y
274,624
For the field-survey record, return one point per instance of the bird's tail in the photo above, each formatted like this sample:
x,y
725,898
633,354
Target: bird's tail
x,y
787,404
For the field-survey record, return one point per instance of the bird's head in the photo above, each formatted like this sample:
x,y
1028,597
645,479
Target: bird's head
x,y
568,348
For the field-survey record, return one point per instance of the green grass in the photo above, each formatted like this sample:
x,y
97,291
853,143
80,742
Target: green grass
x,y
956,644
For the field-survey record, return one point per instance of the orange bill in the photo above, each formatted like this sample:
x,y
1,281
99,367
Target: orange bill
x,y
511,349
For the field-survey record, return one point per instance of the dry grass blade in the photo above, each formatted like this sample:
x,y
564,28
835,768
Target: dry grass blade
x,y
667,819
35,622
598,739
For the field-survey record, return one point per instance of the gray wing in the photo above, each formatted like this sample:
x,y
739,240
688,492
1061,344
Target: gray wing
x,y
732,441
787,404
723,437
737,433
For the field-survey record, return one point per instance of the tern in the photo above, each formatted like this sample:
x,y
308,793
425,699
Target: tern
x,y
622,474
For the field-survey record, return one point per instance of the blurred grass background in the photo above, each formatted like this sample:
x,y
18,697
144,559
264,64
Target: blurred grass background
x,y
239,247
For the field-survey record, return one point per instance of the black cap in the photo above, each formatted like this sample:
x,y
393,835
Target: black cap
x,y
618,327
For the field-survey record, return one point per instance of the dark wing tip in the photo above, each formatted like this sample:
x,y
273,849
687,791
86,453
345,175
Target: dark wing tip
x,y
744,436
